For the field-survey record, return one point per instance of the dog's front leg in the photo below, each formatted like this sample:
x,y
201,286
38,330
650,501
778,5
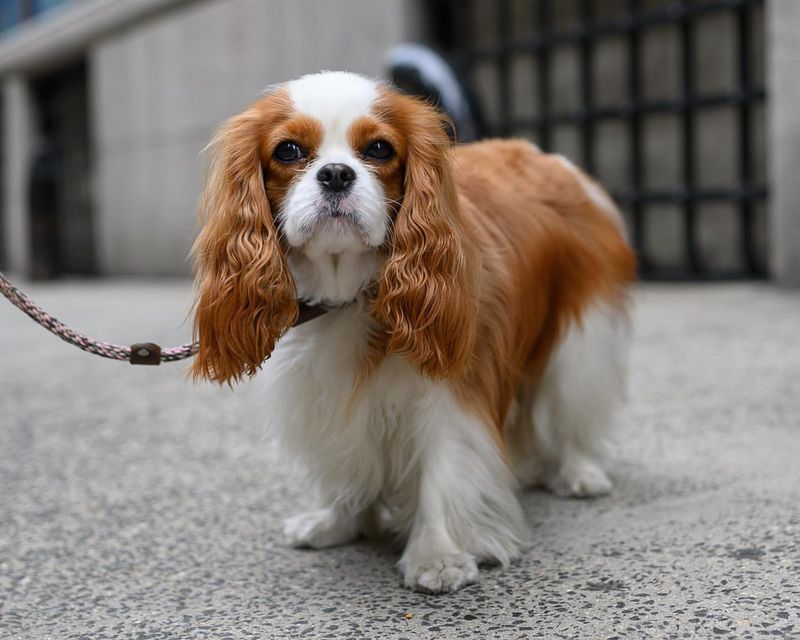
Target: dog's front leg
x,y
433,562
435,559
466,510
324,527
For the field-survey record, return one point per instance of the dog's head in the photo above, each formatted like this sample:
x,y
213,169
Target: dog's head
x,y
327,186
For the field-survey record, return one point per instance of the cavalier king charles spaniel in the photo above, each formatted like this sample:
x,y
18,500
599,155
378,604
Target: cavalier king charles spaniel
x,y
475,331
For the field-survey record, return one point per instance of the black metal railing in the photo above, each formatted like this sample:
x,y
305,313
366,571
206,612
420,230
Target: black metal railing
x,y
462,33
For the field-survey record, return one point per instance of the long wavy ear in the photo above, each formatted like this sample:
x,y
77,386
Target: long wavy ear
x,y
246,295
425,296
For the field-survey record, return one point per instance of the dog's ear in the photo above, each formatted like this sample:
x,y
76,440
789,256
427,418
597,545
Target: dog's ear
x,y
246,295
425,296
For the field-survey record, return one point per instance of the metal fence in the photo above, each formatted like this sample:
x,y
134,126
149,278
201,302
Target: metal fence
x,y
487,40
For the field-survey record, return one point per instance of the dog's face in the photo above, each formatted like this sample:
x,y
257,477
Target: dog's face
x,y
331,178
334,167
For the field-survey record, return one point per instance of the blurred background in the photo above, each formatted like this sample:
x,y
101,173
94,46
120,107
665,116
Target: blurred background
x,y
686,110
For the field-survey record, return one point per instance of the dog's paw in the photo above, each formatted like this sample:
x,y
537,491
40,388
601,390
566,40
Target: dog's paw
x,y
319,529
581,478
440,574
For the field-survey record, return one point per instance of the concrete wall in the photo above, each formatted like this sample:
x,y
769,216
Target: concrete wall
x,y
160,89
50,43
18,142
783,36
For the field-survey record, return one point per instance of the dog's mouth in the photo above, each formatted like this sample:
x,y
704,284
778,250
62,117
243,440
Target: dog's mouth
x,y
337,215
336,219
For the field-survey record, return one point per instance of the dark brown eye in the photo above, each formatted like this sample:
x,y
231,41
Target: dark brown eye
x,y
288,152
379,150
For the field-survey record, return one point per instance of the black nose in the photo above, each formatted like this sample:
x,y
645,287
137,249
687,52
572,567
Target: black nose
x,y
336,177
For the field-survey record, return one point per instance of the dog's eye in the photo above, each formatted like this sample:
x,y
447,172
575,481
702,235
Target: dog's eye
x,y
288,152
379,150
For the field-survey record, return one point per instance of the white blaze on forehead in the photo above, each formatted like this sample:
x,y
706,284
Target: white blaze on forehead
x,y
336,99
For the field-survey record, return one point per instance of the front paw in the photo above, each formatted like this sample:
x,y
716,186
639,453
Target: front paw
x,y
319,529
440,574
581,478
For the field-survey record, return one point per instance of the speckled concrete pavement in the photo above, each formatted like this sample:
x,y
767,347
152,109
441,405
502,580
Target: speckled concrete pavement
x,y
136,505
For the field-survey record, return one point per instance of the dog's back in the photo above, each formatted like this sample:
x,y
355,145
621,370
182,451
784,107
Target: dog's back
x,y
550,244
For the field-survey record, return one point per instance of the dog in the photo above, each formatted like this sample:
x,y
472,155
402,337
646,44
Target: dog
x,y
476,327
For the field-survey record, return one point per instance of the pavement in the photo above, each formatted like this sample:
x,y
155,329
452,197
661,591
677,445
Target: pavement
x,y
135,504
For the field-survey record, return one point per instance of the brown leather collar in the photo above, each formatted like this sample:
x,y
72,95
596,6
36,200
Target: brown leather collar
x,y
308,312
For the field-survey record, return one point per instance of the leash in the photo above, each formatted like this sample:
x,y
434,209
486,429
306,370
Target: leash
x,y
139,353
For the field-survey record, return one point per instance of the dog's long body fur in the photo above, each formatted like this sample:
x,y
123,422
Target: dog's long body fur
x,y
482,344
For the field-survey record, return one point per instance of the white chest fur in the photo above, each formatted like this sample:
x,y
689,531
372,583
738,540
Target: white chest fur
x,y
399,444
348,437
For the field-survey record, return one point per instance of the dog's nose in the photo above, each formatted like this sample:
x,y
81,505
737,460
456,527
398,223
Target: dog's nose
x,y
336,177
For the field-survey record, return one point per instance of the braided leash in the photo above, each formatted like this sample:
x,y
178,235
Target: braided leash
x,y
142,353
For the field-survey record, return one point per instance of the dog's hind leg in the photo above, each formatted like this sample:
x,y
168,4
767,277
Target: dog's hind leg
x,y
560,434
